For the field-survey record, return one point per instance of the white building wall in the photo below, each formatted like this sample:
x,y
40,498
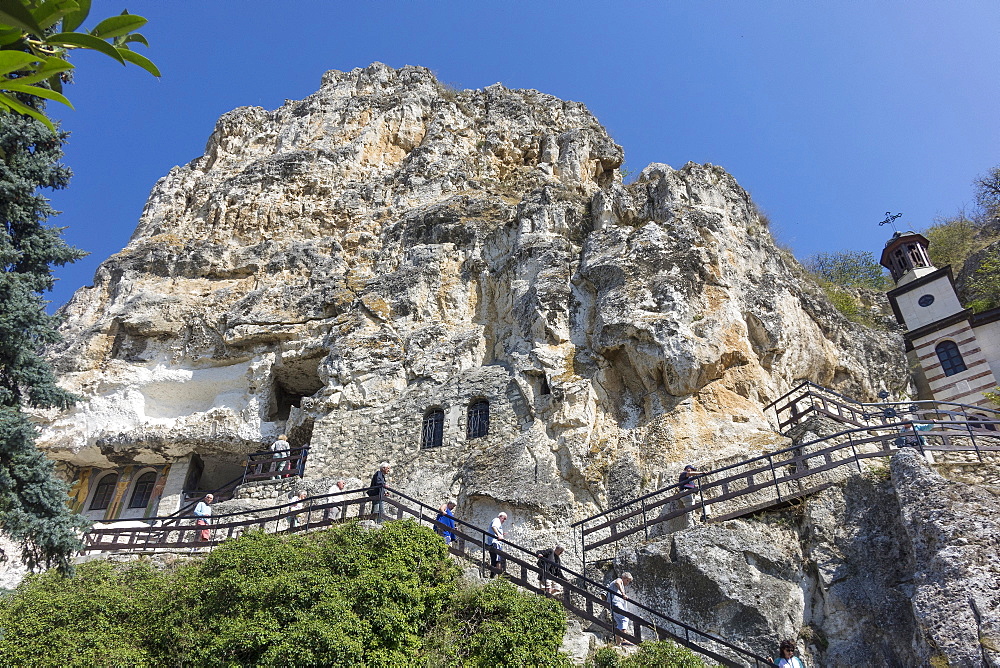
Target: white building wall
x,y
989,341
945,304
967,386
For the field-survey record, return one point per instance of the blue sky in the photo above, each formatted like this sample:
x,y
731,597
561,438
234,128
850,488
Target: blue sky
x,y
829,113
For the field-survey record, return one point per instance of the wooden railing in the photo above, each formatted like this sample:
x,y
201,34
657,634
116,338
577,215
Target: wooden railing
x,y
780,478
811,399
580,595
267,465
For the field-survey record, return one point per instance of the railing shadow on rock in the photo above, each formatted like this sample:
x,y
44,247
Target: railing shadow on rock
x,y
776,479
808,398
582,596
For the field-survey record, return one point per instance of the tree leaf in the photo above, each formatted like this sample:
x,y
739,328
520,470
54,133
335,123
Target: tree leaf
x,y
14,13
85,41
52,65
135,37
141,61
17,86
10,36
10,103
50,11
116,26
73,20
12,61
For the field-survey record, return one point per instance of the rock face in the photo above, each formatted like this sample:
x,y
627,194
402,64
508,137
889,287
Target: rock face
x,y
954,532
345,266
878,572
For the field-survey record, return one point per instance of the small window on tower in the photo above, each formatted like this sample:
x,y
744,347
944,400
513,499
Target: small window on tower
x,y
950,357
926,300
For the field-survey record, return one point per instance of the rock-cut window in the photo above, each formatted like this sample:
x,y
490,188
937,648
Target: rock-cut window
x,y
433,429
478,424
143,490
950,357
104,493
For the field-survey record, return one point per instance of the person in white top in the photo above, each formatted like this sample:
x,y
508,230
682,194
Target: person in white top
x,y
786,655
280,450
203,511
619,604
297,508
336,512
498,562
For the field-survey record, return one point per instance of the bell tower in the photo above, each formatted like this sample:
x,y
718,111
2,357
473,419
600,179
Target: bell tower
x,y
941,335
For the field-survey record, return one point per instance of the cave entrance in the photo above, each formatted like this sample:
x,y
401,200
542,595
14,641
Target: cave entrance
x,y
291,381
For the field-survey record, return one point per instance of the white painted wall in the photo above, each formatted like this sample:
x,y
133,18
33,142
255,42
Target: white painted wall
x,y
989,341
945,304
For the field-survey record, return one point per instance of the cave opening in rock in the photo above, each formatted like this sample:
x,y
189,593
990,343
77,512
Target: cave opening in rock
x,y
291,381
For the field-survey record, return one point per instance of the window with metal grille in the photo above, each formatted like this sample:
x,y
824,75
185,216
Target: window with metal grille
x,y
105,492
143,490
951,359
478,424
433,430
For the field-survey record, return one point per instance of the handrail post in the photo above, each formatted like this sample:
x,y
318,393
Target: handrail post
x,y
972,436
701,495
645,525
774,476
854,450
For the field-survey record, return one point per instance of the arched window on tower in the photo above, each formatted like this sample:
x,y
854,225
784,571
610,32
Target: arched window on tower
x,y
478,424
143,490
432,434
951,358
104,493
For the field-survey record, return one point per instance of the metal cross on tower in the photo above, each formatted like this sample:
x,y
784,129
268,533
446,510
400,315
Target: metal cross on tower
x,y
889,218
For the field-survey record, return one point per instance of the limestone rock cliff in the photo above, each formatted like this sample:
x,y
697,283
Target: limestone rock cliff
x,y
896,567
340,266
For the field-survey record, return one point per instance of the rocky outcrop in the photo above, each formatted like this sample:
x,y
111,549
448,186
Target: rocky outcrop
x,y
878,572
954,536
339,267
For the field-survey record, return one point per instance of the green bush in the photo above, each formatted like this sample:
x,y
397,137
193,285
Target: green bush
x,y
664,654
496,625
848,269
342,597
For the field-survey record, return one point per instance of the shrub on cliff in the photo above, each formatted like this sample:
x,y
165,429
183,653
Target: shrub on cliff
x,y
342,597
664,654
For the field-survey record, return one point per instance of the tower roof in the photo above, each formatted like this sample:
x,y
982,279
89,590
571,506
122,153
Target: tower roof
x,y
898,239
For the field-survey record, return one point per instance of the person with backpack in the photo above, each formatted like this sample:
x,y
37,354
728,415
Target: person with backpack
x,y
550,568
375,492
444,523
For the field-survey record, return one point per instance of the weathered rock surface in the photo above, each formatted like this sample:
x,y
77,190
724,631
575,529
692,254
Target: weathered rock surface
x,y
338,266
954,532
879,572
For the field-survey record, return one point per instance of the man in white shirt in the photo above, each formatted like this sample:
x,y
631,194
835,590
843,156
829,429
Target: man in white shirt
x,y
336,512
498,562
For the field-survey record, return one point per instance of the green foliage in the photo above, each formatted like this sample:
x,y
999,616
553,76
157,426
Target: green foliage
x,y
342,597
663,654
848,269
496,625
985,283
953,240
993,396
35,37
33,507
